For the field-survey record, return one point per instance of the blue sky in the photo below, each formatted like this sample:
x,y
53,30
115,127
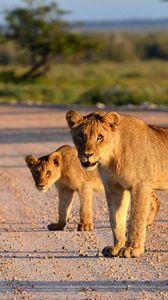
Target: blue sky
x,y
107,9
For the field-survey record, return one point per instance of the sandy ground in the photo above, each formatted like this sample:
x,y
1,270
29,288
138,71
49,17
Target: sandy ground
x,y
38,264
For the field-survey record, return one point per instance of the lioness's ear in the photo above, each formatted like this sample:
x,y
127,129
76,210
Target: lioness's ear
x,y
73,118
31,160
112,118
56,158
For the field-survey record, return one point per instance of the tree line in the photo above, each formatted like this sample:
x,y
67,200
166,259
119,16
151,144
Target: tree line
x,y
37,36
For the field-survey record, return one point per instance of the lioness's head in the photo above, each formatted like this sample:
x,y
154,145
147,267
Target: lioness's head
x,y
95,136
45,170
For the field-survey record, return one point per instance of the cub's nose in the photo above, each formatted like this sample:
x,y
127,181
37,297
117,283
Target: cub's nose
x,y
41,185
87,155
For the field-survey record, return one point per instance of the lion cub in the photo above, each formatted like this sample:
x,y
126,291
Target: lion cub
x,y
63,168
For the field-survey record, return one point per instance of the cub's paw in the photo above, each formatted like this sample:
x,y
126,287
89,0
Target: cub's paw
x,y
85,227
55,226
110,251
129,252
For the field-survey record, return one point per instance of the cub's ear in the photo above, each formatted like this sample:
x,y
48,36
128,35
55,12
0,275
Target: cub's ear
x,y
31,160
112,118
56,158
73,118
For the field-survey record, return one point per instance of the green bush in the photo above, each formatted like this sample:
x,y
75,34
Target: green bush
x,y
10,54
118,95
154,45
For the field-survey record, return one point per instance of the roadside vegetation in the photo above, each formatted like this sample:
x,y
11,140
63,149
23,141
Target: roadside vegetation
x,y
43,60
91,83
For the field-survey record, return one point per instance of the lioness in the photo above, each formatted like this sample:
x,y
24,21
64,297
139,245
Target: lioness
x,y
63,168
130,155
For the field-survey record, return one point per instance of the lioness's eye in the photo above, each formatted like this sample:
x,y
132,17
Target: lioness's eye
x,y
48,173
100,137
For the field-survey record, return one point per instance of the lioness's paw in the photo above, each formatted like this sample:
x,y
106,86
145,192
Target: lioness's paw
x,y
85,227
129,252
110,251
55,226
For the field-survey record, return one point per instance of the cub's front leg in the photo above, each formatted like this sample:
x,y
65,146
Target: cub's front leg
x,y
140,205
86,196
118,201
66,197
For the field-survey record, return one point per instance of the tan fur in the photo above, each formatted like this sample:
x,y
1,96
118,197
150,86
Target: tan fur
x,y
63,168
130,156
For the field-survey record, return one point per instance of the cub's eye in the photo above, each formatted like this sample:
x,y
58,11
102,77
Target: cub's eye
x,y
100,137
36,172
48,173
81,135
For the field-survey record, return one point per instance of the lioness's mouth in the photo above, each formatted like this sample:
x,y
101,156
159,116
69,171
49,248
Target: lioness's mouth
x,y
88,164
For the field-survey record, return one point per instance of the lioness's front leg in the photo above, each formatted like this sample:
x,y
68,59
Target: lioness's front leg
x,y
66,197
118,201
140,204
86,195
153,209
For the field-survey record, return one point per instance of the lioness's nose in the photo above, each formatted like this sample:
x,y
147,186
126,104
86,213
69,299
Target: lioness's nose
x,y
87,155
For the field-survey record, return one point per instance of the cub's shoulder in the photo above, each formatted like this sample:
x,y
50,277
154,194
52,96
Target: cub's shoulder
x,y
66,148
69,155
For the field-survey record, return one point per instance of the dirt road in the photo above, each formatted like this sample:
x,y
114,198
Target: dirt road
x,y
38,264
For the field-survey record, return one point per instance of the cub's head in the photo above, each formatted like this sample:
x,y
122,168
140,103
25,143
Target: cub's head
x,y
95,136
45,170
